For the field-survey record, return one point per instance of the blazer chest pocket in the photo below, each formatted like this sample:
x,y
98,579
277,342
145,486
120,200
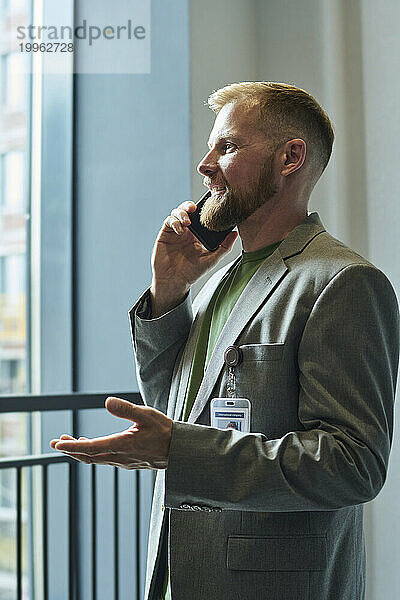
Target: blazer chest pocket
x,y
262,352
276,553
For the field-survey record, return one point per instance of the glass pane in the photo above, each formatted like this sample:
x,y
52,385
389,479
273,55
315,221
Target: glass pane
x,y
14,207
13,182
14,177
8,531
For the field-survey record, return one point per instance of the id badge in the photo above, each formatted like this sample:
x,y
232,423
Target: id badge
x,y
231,413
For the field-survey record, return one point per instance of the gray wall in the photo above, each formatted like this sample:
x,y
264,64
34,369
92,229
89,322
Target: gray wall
x,y
133,166
346,53
381,93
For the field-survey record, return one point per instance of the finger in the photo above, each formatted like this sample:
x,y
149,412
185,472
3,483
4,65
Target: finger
x,y
182,215
174,224
109,443
123,409
93,460
80,457
119,461
64,436
98,459
187,206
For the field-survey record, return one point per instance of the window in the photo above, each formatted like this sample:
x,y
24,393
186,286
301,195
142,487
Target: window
x,y
13,193
14,91
14,177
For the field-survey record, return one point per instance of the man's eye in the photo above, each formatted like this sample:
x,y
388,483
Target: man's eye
x,y
229,146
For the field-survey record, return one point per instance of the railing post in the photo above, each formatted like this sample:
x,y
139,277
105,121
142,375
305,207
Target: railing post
x,y
19,534
73,566
94,534
116,535
45,533
138,548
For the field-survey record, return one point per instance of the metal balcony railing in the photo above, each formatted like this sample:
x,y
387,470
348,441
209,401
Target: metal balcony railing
x,y
73,403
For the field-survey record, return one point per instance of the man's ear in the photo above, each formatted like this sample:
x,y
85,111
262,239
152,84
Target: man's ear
x,y
294,155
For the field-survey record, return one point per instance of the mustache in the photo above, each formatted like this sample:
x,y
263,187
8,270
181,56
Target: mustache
x,y
207,182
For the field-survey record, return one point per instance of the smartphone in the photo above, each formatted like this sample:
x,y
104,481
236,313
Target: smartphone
x,y
210,239
230,413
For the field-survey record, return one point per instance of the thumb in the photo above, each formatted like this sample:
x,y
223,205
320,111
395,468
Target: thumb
x,y
125,410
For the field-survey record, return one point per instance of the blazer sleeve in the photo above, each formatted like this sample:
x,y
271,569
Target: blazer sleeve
x,y
156,344
348,360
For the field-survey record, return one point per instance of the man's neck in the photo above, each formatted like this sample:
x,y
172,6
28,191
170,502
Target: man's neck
x,y
271,223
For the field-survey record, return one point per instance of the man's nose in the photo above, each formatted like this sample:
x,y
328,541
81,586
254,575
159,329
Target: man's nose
x,y
208,165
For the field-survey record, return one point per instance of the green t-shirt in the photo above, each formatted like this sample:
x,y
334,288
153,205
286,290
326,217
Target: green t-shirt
x,y
220,307
217,313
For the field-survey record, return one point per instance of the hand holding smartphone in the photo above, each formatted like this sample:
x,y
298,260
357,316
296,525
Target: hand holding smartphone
x,y
210,239
177,265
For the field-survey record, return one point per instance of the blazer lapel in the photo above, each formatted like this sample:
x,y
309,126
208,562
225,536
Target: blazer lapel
x,y
199,308
255,293
260,287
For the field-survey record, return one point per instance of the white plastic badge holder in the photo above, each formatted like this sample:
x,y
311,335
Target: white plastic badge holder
x,y
231,413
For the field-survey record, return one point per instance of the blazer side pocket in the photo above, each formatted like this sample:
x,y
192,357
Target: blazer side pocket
x,y
262,351
276,553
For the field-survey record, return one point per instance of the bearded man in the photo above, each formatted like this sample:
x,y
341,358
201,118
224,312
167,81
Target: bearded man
x,y
274,510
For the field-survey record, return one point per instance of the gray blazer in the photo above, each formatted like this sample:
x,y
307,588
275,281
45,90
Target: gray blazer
x,y
275,514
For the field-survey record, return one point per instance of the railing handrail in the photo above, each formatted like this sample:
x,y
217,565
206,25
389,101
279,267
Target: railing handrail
x,y
32,460
68,401
73,402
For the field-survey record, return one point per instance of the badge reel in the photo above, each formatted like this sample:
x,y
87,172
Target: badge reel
x,y
231,412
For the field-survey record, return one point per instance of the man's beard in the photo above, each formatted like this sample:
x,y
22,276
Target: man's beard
x,y
233,207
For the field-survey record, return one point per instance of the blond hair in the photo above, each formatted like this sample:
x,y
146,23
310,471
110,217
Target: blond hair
x,y
286,112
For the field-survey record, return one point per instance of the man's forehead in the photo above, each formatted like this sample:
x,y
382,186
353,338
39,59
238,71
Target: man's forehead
x,y
235,120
